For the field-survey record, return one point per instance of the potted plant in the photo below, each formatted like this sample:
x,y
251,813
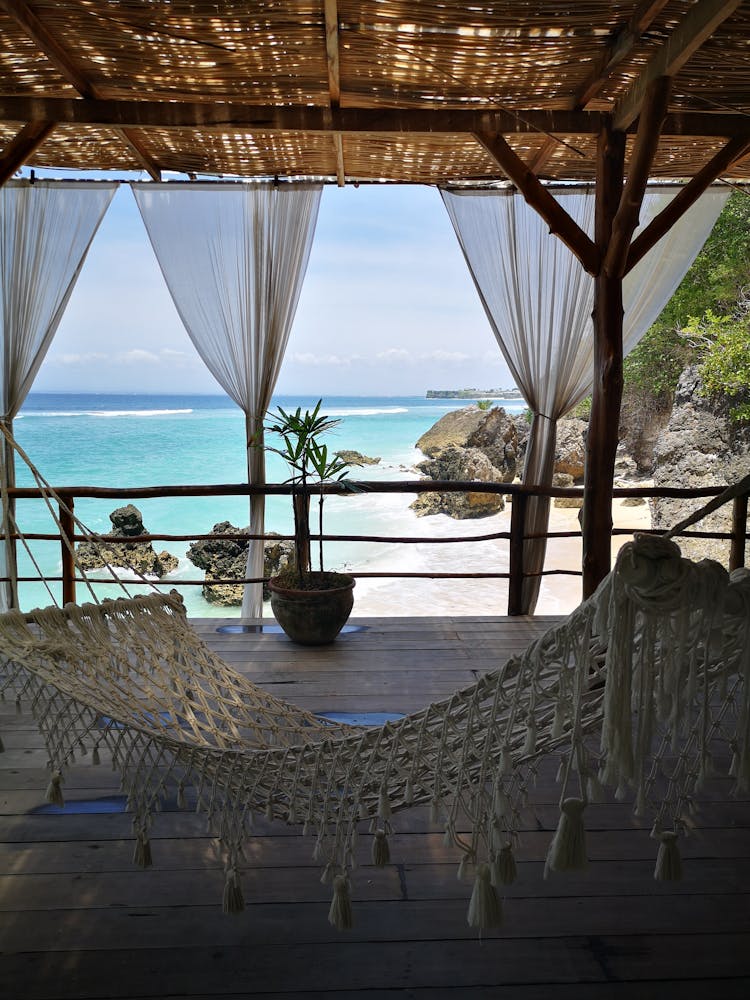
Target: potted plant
x,y
311,606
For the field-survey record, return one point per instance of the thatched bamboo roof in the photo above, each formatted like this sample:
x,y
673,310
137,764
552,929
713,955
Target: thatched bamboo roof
x,y
372,90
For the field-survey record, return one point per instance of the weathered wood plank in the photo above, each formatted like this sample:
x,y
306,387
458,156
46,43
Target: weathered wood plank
x,y
80,920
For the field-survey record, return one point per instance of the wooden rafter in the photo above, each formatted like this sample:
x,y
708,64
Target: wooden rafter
x,y
558,220
20,148
698,25
334,80
332,51
269,118
59,57
641,161
619,49
602,68
25,17
734,150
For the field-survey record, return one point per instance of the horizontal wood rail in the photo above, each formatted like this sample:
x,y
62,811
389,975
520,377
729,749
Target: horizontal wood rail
x,y
519,493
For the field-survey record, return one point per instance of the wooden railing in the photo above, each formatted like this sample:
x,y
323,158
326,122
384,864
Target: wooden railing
x,y
68,536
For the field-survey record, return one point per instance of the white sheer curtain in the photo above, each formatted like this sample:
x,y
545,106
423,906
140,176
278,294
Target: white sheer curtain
x,y
539,300
46,229
234,258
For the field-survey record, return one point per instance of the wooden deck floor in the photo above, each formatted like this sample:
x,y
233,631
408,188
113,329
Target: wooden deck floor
x,y
78,920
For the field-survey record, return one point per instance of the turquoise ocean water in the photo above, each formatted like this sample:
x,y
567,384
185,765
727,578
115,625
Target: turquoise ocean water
x,y
140,440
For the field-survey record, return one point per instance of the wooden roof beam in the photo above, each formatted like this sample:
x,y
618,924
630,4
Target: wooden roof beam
x,y
25,17
334,80
646,145
734,150
376,121
561,224
698,25
21,147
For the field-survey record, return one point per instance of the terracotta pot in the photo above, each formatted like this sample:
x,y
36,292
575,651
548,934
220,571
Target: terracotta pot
x,y
313,617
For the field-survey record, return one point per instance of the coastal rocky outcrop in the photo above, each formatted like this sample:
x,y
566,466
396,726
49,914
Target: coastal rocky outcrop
x,y
470,443
356,457
226,558
642,420
700,446
570,448
453,429
457,464
127,522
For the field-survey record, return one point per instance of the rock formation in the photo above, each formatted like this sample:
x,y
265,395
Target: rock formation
x,y
468,444
356,457
127,522
454,428
570,449
497,437
699,447
460,464
642,420
226,558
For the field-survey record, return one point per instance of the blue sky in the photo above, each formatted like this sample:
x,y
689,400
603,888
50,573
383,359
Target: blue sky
x,y
387,308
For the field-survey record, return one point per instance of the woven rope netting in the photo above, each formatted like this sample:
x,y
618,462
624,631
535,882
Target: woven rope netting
x,y
641,688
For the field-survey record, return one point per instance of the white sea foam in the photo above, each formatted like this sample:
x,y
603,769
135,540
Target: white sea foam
x,y
356,411
103,413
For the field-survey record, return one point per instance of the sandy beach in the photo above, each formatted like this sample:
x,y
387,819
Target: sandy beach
x,y
558,595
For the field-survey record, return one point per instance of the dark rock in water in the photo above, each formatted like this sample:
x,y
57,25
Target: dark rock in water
x,y
356,457
700,446
455,463
226,558
127,522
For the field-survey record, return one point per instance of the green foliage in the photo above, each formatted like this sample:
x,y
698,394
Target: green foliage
x,y
582,410
725,366
310,465
484,404
714,283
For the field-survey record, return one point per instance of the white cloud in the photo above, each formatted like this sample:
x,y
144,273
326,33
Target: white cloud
x,y
137,357
453,356
321,360
76,359
395,355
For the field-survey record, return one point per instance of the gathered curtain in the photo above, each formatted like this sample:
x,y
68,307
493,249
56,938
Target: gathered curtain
x,y
539,302
234,258
46,229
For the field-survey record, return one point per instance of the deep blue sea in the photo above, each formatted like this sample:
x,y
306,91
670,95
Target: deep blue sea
x,y
140,440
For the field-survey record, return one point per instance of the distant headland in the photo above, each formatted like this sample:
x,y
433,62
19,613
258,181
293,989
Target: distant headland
x,y
474,394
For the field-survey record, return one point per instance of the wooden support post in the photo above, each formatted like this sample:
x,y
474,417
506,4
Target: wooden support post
x,y
739,533
601,441
516,566
67,531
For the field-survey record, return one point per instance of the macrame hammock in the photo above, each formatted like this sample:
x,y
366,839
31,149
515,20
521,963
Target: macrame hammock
x,y
640,689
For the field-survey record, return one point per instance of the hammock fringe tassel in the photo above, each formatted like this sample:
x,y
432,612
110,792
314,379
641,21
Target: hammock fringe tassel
x,y
644,689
